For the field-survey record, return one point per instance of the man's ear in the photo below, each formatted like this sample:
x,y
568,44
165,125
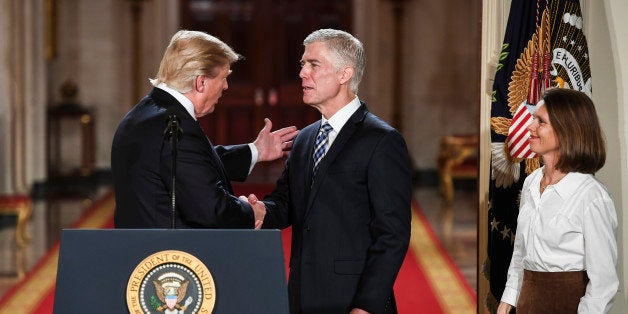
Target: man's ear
x,y
199,83
346,74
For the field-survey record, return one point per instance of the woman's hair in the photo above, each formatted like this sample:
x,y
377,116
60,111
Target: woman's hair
x,y
577,128
347,51
189,54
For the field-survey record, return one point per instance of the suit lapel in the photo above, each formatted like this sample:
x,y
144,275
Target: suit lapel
x,y
343,137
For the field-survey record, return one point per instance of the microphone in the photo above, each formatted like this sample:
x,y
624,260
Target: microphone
x,y
173,131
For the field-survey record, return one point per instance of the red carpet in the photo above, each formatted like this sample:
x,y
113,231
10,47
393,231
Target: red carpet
x,y
428,281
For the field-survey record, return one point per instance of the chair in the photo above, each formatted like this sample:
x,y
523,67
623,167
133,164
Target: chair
x,y
21,206
457,159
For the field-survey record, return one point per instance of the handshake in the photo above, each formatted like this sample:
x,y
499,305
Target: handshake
x,y
259,209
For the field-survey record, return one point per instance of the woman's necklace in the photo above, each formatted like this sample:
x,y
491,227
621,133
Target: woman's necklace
x,y
552,181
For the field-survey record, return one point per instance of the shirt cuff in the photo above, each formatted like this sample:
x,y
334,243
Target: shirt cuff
x,y
254,155
510,296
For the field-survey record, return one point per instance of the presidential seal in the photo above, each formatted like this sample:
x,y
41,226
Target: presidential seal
x,y
171,282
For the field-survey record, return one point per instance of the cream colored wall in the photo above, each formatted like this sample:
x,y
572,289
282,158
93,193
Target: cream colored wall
x,y
441,74
95,49
608,47
439,69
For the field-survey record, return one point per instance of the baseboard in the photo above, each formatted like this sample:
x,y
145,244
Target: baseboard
x,y
425,178
70,186
428,178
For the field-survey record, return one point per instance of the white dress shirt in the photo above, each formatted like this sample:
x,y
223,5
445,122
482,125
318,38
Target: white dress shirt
x,y
572,226
189,107
339,119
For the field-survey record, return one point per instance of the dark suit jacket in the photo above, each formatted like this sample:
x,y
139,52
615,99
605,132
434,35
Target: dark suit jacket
x,y
351,228
141,160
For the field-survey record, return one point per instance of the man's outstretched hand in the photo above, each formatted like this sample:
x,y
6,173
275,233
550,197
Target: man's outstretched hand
x,y
276,144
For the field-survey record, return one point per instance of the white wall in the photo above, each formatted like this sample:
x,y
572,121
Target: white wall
x,y
608,47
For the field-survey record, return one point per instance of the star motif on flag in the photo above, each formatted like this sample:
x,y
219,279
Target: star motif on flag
x,y
505,233
564,38
579,48
494,224
572,42
586,56
512,238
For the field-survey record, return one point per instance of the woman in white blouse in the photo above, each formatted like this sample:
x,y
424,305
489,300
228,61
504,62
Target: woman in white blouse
x,y
565,252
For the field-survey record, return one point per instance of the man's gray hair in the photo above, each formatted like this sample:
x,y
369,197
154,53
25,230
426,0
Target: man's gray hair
x,y
347,49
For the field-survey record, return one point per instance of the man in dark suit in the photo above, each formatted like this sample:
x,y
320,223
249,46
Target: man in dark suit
x,y
345,190
192,75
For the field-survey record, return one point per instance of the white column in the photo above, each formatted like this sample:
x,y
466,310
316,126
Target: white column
x,y
495,18
6,31
22,108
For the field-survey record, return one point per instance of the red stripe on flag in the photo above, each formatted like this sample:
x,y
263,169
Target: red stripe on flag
x,y
519,112
519,146
518,134
518,137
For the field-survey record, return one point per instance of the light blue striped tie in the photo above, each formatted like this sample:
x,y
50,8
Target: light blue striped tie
x,y
320,146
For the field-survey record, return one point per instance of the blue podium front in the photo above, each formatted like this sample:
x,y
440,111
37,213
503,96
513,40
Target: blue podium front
x,y
171,271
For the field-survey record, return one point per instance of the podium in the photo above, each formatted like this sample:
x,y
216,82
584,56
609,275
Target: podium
x,y
171,271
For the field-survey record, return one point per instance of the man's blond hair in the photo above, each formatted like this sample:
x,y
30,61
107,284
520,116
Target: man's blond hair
x,y
190,54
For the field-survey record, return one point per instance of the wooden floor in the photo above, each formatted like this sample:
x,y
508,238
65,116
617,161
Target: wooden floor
x,y
455,225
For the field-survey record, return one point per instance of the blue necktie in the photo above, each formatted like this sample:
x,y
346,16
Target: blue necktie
x,y
320,146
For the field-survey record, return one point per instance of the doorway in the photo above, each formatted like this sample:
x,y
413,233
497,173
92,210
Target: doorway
x,y
265,84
